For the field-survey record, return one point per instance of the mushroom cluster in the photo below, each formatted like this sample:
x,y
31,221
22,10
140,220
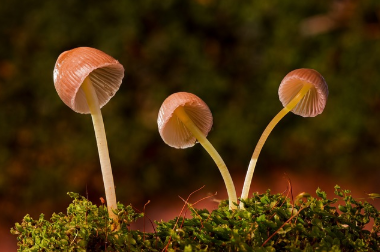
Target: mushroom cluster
x,y
86,79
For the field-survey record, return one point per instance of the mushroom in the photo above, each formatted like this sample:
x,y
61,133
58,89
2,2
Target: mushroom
x,y
302,91
86,79
184,119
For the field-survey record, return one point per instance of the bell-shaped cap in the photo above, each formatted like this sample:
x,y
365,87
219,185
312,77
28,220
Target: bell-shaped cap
x,y
73,66
172,130
314,101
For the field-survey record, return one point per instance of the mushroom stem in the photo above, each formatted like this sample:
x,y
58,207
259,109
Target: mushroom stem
x,y
252,164
186,120
101,140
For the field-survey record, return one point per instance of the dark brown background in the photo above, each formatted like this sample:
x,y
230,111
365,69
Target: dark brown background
x,y
232,54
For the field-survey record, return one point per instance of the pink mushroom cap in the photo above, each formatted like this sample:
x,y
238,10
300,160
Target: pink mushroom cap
x,y
172,130
314,101
73,66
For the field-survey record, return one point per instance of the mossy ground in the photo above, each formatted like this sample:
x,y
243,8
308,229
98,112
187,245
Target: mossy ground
x,y
271,222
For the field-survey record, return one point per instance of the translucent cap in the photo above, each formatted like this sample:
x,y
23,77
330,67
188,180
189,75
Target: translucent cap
x,y
314,101
73,66
172,130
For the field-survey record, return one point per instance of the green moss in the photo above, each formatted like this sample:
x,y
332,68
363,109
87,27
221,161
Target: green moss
x,y
271,222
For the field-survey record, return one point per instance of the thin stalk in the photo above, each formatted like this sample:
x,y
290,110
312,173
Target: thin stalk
x,y
186,120
264,136
101,140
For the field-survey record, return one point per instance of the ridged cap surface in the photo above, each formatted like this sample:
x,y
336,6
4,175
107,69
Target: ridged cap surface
x,y
314,102
172,130
73,66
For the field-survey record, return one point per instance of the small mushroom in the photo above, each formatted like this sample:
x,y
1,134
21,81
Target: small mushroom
x,y
86,79
184,119
302,91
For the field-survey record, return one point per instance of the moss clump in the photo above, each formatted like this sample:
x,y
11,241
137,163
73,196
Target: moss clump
x,y
271,222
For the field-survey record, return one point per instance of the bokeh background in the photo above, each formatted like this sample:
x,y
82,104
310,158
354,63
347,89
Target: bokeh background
x,y
232,54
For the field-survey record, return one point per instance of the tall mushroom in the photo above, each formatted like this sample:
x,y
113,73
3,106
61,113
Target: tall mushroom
x,y
302,91
86,79
184,119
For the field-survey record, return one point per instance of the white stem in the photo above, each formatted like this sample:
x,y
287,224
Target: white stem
x,y
186,120
252,164
101,140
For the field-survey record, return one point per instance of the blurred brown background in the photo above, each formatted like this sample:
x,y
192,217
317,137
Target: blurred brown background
x,y
232,54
